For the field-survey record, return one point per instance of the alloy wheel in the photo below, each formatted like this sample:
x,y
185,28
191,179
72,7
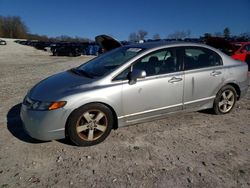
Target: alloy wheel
x,y
226,101
91,125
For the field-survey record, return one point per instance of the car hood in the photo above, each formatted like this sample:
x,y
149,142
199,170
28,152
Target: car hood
x,y
107,43
60,85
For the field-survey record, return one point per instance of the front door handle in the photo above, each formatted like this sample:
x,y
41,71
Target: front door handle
x,y
215,73
174,79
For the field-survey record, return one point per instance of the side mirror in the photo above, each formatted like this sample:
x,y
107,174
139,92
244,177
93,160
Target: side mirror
x,y
135,74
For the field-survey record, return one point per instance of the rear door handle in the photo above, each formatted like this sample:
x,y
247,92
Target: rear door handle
x,y
174,79
215,73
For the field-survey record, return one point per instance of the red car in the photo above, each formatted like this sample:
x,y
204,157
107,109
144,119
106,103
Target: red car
x,y
237,50
243,49
243,52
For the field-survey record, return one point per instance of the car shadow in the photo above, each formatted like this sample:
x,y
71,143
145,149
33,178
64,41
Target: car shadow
x,y
14,125
207,111
66,142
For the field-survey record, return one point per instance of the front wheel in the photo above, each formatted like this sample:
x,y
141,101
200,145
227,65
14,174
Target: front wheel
x,y
225,100
90,124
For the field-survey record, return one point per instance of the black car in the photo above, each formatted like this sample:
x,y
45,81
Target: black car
x,y
40,45
221,44
2,42
66,51
56,45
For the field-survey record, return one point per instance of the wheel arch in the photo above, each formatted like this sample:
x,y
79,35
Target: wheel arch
x,y
115,125
237,89
216,105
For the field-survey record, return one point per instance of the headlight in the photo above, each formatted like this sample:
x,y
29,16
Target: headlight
x,y
39,105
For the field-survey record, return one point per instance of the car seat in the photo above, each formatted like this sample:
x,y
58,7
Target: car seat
x,y
168,66
152,63
203,60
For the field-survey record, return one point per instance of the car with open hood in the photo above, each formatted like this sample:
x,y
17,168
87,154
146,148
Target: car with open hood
x,y
132,84
107,43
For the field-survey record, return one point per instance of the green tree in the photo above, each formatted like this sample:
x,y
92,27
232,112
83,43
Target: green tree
x,y
226,32
1,26
156,36
133,37
142,34
207,35
179,35
12,27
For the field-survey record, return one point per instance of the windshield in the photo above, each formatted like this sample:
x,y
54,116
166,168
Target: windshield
x,y
109,61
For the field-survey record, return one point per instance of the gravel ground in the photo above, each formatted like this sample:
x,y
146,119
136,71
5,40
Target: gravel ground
x,y
194,149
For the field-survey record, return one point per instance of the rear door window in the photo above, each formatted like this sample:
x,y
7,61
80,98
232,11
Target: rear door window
x,y
198,57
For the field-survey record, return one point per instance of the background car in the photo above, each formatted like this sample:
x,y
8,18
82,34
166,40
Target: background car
x,y
2,42
107,43
92,49
221,44
67,51
132,84
243,52
40,45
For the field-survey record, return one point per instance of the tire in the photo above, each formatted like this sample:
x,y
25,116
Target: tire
x,y
90,124
225,100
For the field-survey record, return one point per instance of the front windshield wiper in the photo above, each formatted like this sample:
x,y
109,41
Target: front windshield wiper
x,y
82,73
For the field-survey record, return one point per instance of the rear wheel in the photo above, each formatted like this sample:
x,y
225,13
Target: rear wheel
x,y
225,100
90,124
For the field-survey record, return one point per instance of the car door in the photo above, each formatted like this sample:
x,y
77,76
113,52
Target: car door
x,y
203,76
157,94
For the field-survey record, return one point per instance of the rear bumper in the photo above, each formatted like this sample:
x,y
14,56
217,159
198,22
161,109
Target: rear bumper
x,y
243,92
244,87
44,125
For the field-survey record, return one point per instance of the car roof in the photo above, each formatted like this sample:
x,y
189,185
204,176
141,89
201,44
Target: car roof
x,y
151,45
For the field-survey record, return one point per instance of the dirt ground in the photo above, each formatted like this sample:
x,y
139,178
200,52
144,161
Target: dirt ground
x,y
194,149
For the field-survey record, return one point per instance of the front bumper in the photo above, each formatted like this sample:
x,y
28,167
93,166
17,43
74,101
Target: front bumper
x,y
44,125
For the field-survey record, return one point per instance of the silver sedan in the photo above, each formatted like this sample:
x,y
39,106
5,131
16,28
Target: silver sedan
x,y
129,85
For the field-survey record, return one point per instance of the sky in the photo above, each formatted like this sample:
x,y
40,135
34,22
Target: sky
x,y
119,18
